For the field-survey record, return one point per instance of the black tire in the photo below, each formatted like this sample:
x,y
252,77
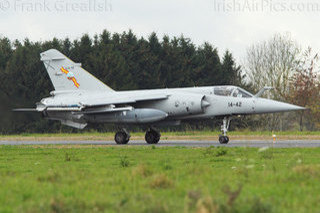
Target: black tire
x,y
152,137
121,138
223,139
227,139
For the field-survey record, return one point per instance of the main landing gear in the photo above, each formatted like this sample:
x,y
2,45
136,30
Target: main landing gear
x,y
123,136
224,139
152,136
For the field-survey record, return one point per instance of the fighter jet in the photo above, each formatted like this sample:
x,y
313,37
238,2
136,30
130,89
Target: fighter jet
x,y
79,98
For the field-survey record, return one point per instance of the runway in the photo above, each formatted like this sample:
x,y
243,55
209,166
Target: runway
x,y
191,143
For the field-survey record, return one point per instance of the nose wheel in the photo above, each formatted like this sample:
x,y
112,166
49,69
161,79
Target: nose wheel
x,y
224,139
152,136
122,137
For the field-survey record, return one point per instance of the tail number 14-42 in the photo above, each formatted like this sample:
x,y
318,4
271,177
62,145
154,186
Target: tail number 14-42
x,y
236,104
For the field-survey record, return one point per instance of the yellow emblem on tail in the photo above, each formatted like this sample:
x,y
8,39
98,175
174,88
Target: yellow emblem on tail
x,y
70,76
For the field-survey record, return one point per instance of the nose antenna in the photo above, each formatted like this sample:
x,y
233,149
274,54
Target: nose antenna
x,y
262,91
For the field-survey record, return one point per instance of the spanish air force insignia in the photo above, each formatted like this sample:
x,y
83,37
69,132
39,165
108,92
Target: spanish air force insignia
x,y
70,76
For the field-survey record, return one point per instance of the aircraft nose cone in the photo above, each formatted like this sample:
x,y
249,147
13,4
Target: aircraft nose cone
x,y
271,106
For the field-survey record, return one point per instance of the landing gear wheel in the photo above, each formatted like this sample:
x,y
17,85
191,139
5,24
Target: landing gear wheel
x,y
152,136
223,139
122,137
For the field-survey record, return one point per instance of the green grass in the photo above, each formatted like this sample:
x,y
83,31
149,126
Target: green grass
x,y
154,179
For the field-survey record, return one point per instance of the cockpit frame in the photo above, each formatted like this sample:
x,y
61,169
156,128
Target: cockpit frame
x,y
232,91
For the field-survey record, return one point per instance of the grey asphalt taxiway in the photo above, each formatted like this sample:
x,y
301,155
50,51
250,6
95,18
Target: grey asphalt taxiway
x,y
190,143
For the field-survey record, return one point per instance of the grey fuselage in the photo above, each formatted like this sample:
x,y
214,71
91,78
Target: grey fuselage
x,y
172,105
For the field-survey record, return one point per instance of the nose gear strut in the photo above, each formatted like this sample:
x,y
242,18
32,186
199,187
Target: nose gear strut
x,y
224,139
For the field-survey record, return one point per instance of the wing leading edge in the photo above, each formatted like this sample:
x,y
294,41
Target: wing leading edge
x,y
122,99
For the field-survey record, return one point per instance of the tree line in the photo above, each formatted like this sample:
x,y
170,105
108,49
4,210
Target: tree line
x,y
122,61
280,62
126,62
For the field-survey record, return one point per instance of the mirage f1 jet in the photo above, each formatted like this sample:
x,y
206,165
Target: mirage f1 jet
x,y
79,98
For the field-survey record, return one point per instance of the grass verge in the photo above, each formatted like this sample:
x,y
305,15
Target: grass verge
x,y
154,179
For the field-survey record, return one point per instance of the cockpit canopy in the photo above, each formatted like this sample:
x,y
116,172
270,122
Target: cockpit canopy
x,y
232,91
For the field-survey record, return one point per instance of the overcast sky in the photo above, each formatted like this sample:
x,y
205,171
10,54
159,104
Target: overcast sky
x,y
229,24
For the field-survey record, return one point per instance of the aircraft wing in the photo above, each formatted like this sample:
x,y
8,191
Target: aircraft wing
x,y
123,99
102,110
99,105
25,110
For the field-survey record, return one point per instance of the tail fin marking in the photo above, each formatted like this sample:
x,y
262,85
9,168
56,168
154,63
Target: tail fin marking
x,y
67,75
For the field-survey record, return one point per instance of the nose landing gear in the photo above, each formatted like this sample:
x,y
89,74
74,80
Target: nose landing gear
x,y
224,139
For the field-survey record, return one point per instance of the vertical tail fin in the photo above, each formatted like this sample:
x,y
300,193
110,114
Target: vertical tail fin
x,y
67,75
